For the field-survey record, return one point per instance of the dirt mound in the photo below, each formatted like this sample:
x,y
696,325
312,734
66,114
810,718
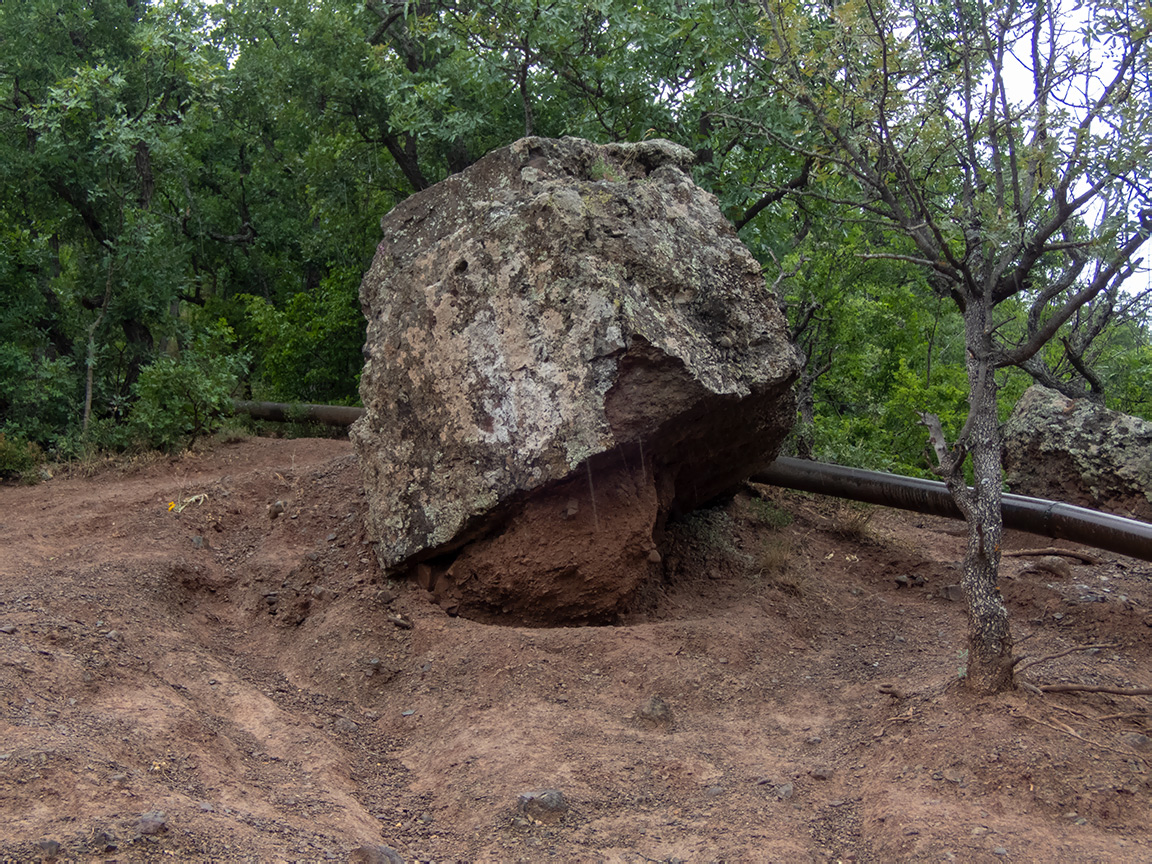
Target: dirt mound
x,y
185,676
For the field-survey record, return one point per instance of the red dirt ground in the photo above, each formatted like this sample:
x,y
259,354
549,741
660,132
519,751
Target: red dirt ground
x,y
256,681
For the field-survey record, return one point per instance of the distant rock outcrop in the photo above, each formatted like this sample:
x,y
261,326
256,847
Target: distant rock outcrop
x,y
566,342
1076,451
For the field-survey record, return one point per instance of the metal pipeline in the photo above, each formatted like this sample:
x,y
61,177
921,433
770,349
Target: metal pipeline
x,y
1034,515
288,412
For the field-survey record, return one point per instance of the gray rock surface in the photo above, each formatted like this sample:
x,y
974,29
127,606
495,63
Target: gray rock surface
x,y
1079,452
566,342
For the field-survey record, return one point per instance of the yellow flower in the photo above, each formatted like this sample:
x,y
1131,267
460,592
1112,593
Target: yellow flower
x,y
171,505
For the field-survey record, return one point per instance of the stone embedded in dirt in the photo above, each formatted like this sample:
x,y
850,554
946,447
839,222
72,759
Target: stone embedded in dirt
x,y
566,342
547,805
656,713
50,848
1053,564
822,773
154,822
8,629
953,593
784,791
1138,741
375,855
343,724
1079,452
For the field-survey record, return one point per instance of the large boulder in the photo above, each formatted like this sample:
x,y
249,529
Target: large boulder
x,y
1077,451
566,342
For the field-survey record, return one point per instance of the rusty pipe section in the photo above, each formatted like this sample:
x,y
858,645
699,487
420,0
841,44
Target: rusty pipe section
x,y
1035,515
287,412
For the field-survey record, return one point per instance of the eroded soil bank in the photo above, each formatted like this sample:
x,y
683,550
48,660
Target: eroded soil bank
x,y
256,682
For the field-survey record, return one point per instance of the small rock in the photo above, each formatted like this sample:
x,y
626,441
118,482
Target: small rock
x,y
50,848
813,739
999,850
154,822
206,807
656,713
953,593
8,629
343,724
714,791
822,773
1137,741
275,509
384,596
547,805
104,841
199,543
323,594
331,537
114,635
1053,564
374,855
784,791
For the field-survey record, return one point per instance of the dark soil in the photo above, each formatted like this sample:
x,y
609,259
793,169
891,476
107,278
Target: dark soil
x,y
166,647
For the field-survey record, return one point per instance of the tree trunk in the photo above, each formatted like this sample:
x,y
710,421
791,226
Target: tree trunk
x,y
989,634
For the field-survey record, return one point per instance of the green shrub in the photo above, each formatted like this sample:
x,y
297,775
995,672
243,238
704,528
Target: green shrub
x,y
182,399
18,457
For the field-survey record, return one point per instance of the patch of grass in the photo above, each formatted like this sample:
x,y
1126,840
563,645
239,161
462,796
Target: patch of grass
x,y
19,459
768,514
850,519
601,170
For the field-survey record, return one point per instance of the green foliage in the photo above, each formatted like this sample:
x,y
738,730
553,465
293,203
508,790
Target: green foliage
x,y
18,457
39,397
180,400
310,350
234,159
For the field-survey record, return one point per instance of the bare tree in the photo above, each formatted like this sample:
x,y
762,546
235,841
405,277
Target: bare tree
x,y
1009,144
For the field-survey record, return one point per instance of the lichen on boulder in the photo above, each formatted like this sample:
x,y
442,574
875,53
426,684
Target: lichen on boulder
x,y
1079,452
566,342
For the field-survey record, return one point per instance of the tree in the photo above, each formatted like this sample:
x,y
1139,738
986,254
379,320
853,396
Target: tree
x,y
1029,203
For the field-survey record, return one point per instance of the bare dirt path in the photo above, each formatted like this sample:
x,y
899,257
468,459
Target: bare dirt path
x,y
183,677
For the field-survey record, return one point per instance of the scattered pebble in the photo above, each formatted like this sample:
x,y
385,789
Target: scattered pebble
x,y
343,724
822,772
784,791
9,629
374,855
50,848
714,791
547,805
999,850
1137,741
656,713
154,822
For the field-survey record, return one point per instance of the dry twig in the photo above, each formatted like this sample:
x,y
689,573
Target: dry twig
x,y
1048,657
1052,550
